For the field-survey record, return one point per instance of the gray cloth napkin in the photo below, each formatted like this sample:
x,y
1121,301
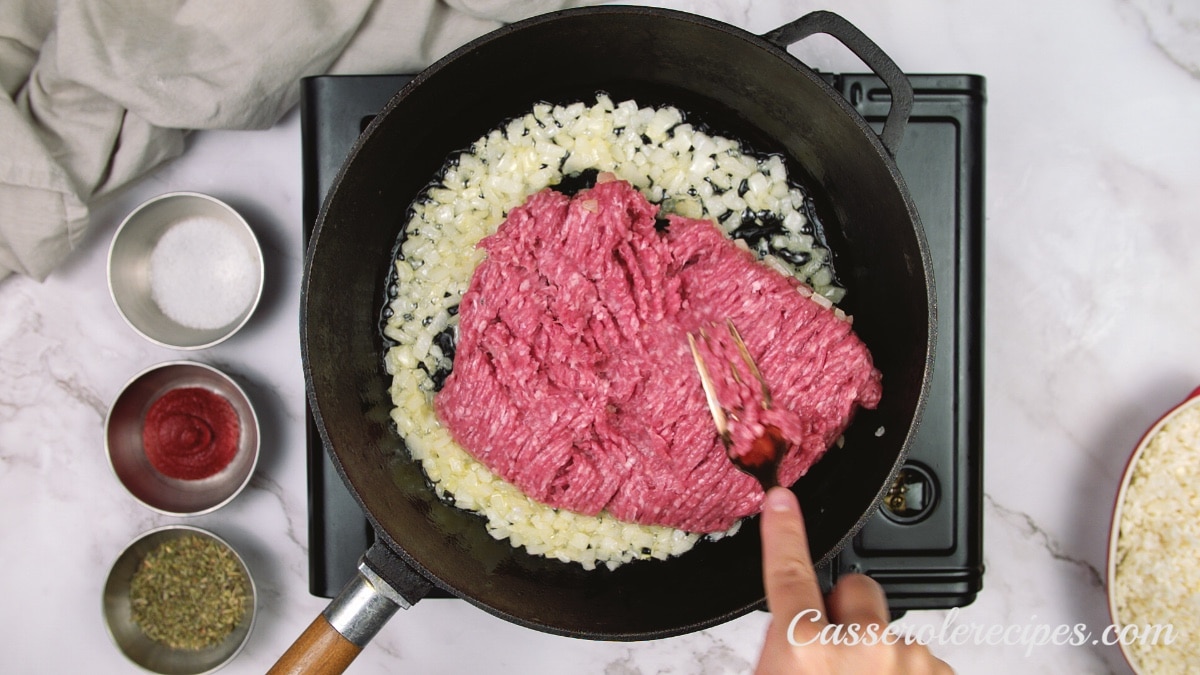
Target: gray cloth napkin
x,y
97,92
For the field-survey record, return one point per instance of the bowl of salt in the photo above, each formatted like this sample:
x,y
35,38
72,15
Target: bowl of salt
x,y
185,270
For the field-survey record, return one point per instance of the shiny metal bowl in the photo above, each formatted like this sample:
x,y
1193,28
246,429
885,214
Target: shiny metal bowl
x,y
130,281
127,456
147,653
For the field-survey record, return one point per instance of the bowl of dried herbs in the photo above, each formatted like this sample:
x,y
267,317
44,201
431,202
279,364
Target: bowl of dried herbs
x,y
179,600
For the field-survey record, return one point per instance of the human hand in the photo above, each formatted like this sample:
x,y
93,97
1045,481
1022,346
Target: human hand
x,y
794,645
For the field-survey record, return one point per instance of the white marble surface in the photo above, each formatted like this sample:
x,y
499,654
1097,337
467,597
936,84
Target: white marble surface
x,y
1091,324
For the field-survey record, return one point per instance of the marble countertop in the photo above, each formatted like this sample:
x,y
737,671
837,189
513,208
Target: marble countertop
x,y
1091,329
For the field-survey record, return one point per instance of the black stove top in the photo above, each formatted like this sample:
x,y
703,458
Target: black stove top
x,y
925,546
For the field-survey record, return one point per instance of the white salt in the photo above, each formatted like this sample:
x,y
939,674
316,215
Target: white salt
x,y
201,275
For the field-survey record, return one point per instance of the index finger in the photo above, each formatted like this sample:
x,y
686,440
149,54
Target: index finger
x,y
788,573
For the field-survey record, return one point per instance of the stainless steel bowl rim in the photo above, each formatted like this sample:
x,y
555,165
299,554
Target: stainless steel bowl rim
x,y
258,259
253,420
204,533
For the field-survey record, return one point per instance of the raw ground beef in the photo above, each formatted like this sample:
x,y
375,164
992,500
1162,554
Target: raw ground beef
x,y
574,381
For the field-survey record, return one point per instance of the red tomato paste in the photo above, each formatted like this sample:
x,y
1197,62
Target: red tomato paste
x,y
190,433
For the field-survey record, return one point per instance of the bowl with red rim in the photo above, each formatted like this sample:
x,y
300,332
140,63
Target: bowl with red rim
x,y
1153,582
182,437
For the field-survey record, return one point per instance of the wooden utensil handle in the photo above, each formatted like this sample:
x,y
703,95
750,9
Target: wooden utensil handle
x,y
320,650
330,643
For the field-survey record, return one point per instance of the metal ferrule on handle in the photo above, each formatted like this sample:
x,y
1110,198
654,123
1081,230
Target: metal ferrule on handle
x,y
335,638
363,606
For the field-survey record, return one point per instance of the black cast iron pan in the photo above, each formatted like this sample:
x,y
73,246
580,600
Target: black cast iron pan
x,y
739,84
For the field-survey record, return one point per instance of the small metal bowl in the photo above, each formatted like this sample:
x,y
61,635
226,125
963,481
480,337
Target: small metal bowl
x,y
217,271
127,455
154,656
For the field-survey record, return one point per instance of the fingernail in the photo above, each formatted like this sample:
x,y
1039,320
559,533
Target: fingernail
x,y
779,499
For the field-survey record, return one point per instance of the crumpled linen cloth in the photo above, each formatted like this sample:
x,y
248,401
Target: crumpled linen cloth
x,y
98,92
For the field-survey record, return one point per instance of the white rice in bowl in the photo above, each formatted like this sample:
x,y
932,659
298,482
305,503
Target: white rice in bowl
x,y
683,169
1156,579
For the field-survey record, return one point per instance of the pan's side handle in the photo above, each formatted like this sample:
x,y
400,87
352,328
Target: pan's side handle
x,y
335,638
879,62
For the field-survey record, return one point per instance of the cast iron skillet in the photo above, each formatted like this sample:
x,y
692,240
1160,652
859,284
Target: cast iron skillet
x,y
739,84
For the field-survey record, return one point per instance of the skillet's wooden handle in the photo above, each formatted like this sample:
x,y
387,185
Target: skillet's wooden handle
x,y
320,650
331,643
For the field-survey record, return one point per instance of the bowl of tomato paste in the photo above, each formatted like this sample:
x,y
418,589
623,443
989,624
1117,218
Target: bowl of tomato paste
x,y
182,437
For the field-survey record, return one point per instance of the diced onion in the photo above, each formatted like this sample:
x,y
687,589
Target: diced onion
x,y
684,168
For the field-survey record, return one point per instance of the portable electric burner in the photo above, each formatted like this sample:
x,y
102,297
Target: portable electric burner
x,y
925,544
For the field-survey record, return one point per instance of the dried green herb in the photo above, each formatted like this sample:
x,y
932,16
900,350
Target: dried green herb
x,y
189,593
